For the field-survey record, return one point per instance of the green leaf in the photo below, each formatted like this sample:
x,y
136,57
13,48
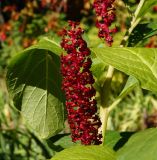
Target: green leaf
x,y
111,138
138,62
141,146
142,32
50,45
116,140
148,4
60,142
86,153
34,82
130,84
66,141
97,67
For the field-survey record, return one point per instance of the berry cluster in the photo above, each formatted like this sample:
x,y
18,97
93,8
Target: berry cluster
x,y
77,85
105,16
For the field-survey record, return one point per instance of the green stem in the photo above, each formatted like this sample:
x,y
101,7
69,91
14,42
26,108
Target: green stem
x,y
127,35
139,8
134,23
104,119
104,109
104,99
106,87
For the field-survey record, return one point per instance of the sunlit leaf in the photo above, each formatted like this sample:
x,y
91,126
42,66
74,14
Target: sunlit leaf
x,y
86,153
141,63
141,146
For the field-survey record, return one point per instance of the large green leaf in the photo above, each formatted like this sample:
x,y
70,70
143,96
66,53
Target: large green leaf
x,y
138,62
86,153
142,32
141,146
34,82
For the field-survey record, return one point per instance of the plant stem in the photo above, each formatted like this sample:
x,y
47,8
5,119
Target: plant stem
x,y
134,23
127,35
104,99
139,8
104,110
104,119
106,87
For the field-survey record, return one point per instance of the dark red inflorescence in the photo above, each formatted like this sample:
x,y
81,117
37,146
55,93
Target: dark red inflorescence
x,y
77,85
104,10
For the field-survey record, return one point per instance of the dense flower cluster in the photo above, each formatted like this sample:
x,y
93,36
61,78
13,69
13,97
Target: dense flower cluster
x,y
77,84
105,16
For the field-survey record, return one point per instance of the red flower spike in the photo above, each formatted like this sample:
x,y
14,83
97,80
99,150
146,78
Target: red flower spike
x,y
77,85
105,16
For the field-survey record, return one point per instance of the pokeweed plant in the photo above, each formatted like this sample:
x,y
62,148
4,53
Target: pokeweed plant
x,y
48,78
